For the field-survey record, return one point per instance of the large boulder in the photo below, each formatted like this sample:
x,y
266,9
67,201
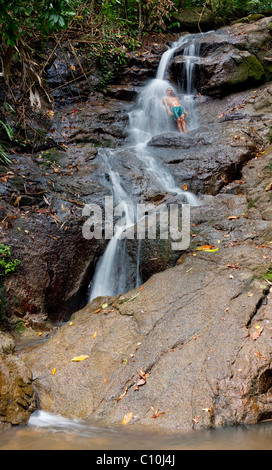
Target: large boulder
x,y
192,347
195,19
17,397
232,58
228,69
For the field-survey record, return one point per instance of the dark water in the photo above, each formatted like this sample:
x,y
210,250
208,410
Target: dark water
x,y
48,432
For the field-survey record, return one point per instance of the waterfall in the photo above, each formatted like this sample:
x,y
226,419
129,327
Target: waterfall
x,y
110,276
149,118
191,56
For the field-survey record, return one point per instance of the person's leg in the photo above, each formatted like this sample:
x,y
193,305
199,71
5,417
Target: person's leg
x,y
183,123
179,124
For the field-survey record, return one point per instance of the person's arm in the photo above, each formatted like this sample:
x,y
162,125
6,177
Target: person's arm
x,y
167,107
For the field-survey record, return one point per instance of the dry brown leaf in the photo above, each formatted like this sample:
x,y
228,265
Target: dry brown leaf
x,y
157,414
257,333
140,382
18,199
196,419
142,374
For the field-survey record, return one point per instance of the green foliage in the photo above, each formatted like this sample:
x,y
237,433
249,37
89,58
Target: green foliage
x,y
7,263
110,52
257,6
232,8
18,17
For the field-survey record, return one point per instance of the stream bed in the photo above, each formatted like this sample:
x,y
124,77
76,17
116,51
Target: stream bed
x,y
45,431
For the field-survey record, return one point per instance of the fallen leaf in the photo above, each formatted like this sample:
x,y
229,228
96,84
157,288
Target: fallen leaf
x,y
53,371
127,418
205,247
140,382
95,334
104,305
256,335
18,199
157,414
142,374
212,251
79,358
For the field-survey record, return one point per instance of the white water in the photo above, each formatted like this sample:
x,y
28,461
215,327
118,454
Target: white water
x,y
148,119
111,273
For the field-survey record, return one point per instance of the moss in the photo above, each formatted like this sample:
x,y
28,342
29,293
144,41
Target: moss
x,y
249,19
252,203
19,327
268,275
48,157
268,167
249,69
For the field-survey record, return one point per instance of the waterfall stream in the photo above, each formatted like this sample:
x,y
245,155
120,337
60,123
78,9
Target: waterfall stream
x,y
149,118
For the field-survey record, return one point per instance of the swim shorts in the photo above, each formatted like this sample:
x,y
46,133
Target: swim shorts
x,y
178,112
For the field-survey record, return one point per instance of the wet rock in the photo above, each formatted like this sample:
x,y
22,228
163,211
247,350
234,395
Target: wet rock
x,y
201,159
233,57
56,261
122,92
200,332
224,70
66,80
17,397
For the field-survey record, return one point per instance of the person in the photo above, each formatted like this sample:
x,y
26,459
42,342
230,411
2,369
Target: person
x,y
174,108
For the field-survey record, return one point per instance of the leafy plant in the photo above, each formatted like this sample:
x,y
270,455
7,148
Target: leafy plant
x,y
7,263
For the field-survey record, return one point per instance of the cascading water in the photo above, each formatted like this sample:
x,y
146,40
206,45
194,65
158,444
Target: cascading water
x,y
149,118
110,275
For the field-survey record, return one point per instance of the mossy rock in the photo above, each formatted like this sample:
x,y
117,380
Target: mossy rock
x,y
189,19
250,69
249,19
